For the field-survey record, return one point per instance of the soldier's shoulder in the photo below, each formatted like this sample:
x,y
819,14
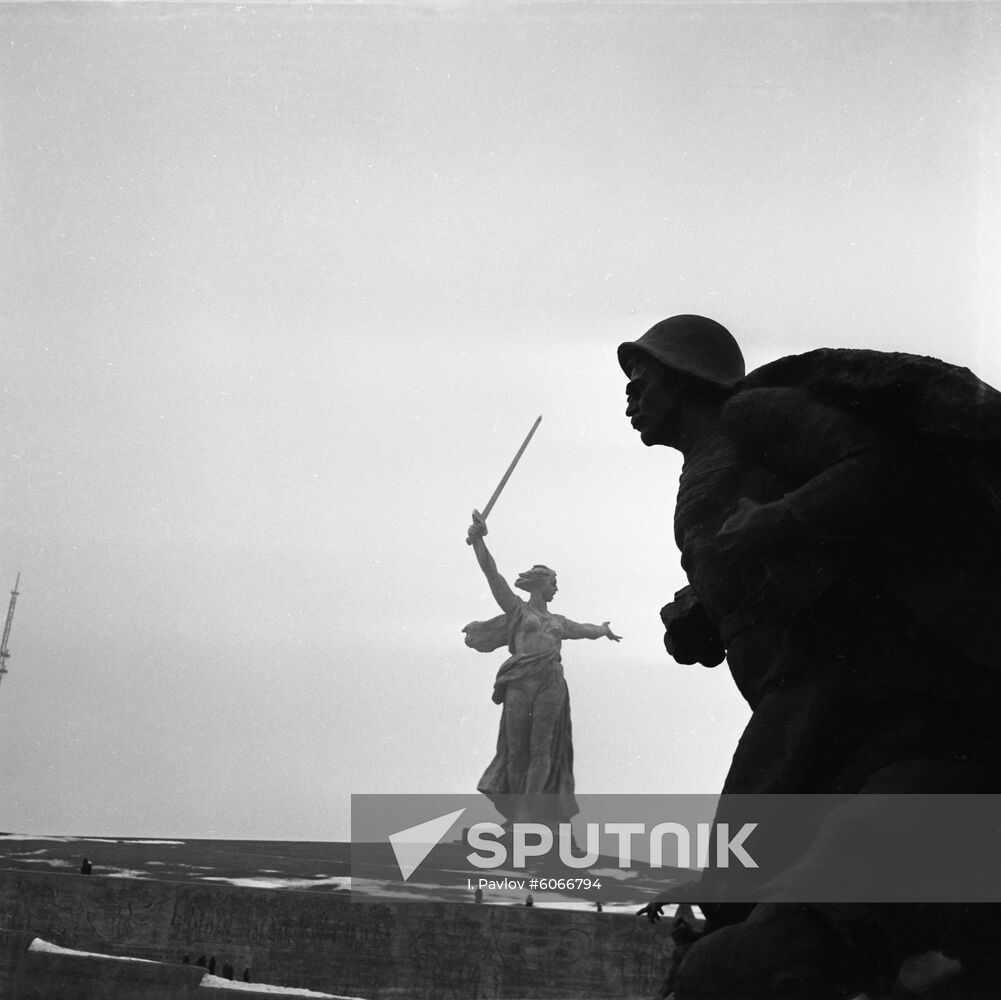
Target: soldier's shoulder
x,y
922,393
804,372
750,402
790,383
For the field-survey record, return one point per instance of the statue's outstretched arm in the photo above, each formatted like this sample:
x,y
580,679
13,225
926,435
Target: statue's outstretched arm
x,y
582,630
499,587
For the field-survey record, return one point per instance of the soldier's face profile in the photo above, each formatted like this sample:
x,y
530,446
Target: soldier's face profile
x,y
653,402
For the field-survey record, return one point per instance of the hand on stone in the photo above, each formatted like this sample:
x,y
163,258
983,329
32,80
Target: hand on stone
x,y
611,635
652,911
753,526
478,528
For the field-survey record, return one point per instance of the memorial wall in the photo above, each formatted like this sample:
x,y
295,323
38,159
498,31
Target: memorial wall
x,y
326,942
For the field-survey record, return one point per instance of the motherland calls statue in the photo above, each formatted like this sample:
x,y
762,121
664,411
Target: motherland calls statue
x,y
531,776
839,521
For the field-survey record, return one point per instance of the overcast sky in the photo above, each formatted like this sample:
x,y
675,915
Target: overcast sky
x,y
283,289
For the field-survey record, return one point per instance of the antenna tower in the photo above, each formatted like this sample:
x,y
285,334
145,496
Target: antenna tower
x,y
6,629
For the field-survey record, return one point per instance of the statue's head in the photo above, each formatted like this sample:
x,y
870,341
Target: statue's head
x,y
539,579
695,346
678,369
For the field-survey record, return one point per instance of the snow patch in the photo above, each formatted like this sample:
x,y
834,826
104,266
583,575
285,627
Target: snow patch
x,y
619,874
82,840
180,842
35,836
208,980
338,881
54,949
217,983
49,838
123,873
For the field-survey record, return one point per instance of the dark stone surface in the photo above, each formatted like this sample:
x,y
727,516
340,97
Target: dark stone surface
x,y
330,944
839,521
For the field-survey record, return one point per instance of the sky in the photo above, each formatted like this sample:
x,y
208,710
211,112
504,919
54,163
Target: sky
x,y
284,288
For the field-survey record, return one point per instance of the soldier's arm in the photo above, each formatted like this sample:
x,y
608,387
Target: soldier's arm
x,y
844,471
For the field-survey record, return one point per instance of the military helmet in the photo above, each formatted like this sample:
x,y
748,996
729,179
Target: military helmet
x,y
692,345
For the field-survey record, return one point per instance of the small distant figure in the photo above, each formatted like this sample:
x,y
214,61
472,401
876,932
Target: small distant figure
x,y
86,867
246,975
227,971
529,901
478,895
597,905
212,966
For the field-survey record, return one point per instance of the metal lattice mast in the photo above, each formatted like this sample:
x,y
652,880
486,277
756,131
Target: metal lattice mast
x,y
4,653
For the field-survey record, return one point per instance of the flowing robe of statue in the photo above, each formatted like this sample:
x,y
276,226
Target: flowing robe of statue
x,y
535,740
531,776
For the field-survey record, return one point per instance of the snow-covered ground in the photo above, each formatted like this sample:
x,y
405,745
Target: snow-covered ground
x,y
215,982
54,949
311,867
208,980
81,840
257,882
